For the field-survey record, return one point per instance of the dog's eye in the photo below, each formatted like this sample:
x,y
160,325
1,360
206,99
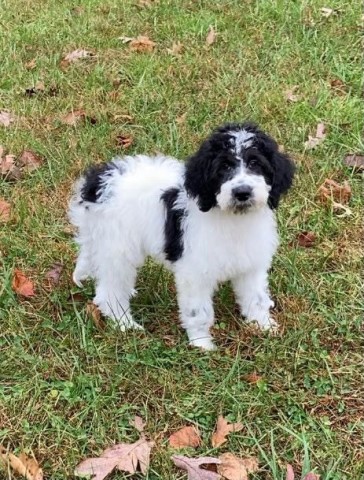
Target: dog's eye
x,y
253,162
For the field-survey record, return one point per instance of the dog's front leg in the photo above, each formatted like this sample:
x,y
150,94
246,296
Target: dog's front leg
x,y
196,310
252,295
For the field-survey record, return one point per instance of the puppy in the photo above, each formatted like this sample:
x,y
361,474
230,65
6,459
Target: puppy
x,y
209,220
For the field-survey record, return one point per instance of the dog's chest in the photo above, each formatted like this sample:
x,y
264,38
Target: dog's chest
x,y
225,246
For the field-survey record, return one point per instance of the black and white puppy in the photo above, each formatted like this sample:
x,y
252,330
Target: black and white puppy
x,y
209,220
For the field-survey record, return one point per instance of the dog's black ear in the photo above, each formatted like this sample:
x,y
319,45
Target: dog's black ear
x,y
198,181
200,178
284,170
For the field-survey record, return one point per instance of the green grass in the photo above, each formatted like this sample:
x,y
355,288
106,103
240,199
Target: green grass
x,y
68,390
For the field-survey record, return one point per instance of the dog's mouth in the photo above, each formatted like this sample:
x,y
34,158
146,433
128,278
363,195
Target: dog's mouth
x,y
241,207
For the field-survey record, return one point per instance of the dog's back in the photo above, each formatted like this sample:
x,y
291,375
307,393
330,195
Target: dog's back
x,y
111,209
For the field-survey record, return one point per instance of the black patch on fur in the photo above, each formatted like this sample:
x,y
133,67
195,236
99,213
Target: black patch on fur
x,y
173,246
94,181
214,163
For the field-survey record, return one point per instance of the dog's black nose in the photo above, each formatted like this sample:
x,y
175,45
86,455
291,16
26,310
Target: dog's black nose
x,y
242,193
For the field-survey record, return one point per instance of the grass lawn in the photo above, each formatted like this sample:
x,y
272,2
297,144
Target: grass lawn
x,y
68,389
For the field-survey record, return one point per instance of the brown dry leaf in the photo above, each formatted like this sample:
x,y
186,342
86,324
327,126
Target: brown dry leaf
x,y
320,136
22,285
193,467
234,468
176,49
355,161
223,428
39,87
76,117
211,36
53,275
4,211
93,312
31,64
338,86
124,141
331,190
291,95
22,465
144,3
125,117
138,423
124,457
6,118
181,118
29,160
185,437
78,54
8,170
253,377
306,239
142,44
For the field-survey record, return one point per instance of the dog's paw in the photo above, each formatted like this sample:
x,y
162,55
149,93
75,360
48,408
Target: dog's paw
x,y
267,324
203,343
128,324
78,278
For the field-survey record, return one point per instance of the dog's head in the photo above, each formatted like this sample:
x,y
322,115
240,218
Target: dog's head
x,y
237,168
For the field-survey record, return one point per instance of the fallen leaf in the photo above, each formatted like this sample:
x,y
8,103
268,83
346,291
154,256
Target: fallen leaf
x,y
185,437
138,423
338,85
38,88
124,141
234,468
211,36
22,465
181,118
125,117
193,467
306,239
77,116
339,207
289,472
22,285
8,170
29,160
78,11
223,428
142,44
6,118
93,312
4,211
291,95
355,161
176,49
253,377
144,3
311,476
124,457
54,273
331,190
31,64
78,55
326,12
320,136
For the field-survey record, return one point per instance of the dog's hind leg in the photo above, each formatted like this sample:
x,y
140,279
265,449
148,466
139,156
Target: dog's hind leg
x,y
115,280
83,269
